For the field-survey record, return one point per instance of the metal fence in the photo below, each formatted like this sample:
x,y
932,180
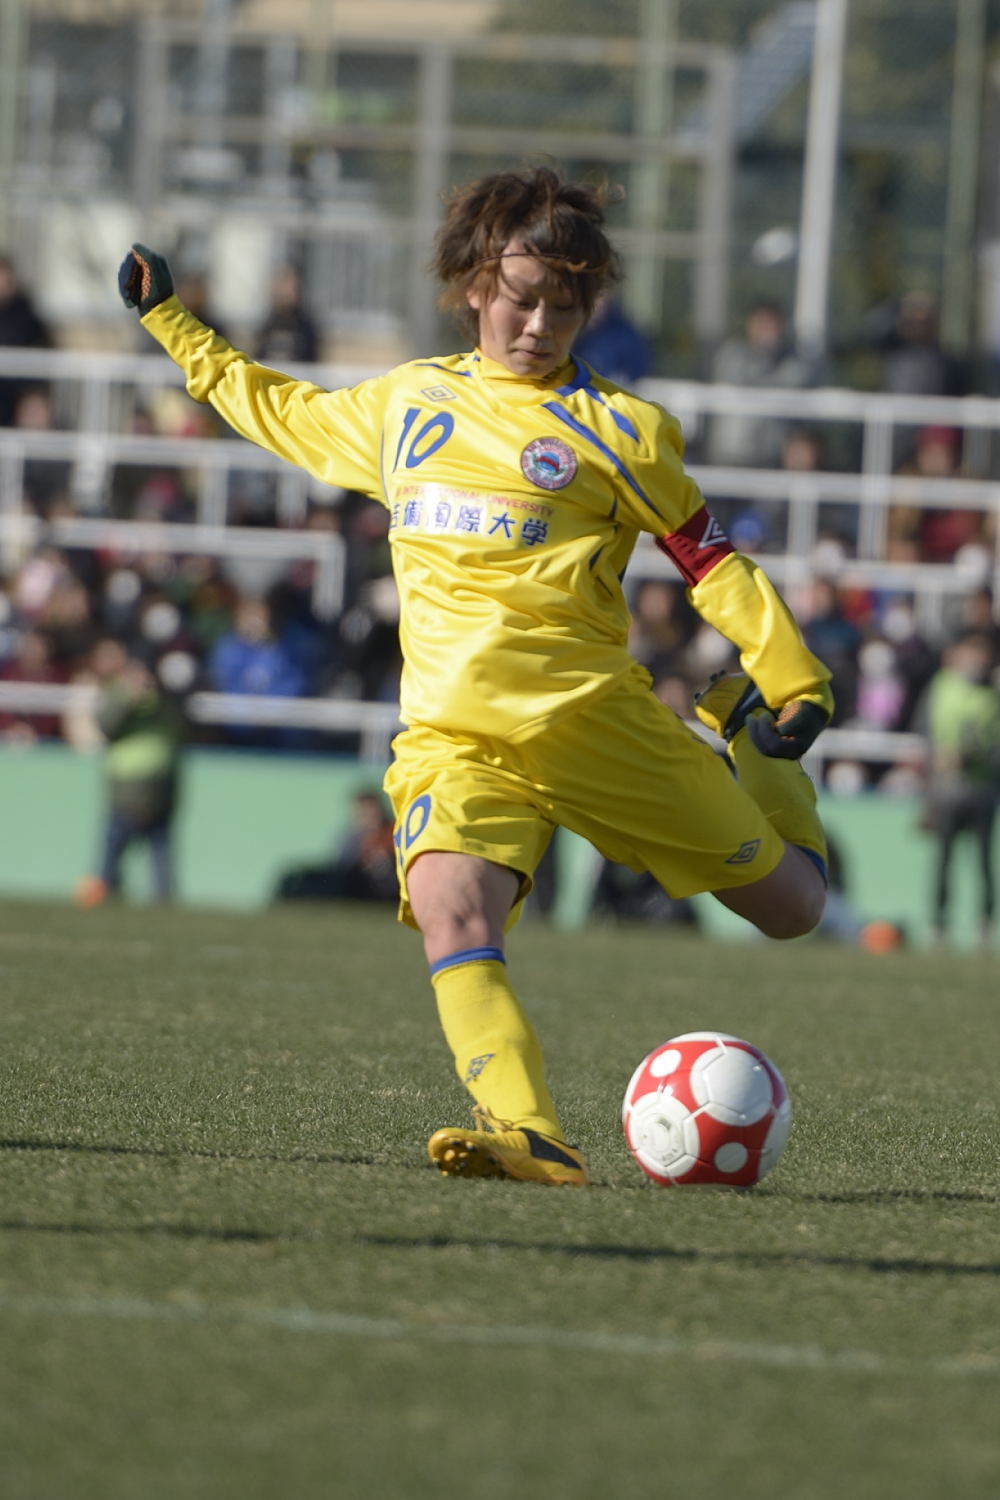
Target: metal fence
x,y
97,393
97,389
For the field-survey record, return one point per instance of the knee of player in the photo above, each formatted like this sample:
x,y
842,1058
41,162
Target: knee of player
x,y
794,918
445,933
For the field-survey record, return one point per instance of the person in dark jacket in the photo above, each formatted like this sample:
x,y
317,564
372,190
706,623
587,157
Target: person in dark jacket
x,y
21,327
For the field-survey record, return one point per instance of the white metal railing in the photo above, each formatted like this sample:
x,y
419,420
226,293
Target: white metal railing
x,y
689,400
107,367
98,393
375,724
932,586
130,539
212,460
109,382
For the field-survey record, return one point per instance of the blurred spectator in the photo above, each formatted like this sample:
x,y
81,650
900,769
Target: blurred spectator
x,y
306,638
192,289
765,525
624,895
21,327
661,632
69,621
662,624
707,652
32,662
249,658
140,492
962,719
105,661
977,613
289,333
919,533
882,701
159,627
915,658
804,451
363,867
252,659
881,691
10,625
207,599
48,593
613,345
914,363
836,640
366,536
905,336
144,729
762,356
160,604
366,660
46,482
370,659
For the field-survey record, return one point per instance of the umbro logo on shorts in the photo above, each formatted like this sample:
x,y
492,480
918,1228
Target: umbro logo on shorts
x,y
745,853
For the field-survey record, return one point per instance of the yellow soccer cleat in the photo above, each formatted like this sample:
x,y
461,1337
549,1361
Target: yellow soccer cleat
x,y
499,1149
727,702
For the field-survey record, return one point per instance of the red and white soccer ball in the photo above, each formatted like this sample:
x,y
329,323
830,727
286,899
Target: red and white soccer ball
x,y
706,1108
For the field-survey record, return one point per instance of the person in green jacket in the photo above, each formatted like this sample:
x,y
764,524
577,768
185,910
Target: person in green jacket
x,y
145,730
962,721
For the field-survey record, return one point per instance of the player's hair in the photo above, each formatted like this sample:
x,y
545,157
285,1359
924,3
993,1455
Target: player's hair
x,y
560,222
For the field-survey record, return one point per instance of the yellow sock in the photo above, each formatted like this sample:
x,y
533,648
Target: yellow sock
x,y
782,791
496,1051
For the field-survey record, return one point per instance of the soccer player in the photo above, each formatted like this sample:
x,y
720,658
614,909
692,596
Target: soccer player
x,y
517,482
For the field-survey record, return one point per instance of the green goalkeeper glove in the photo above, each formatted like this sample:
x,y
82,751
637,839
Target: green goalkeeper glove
x,y
144,279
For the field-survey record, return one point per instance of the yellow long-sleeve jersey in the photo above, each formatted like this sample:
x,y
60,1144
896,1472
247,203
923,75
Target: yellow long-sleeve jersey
x,y
514,507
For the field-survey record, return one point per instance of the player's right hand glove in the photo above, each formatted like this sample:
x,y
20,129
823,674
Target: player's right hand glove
x,y
144,279
790,733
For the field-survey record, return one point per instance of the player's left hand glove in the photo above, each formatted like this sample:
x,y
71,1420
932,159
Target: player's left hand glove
x,y
790,733
144,279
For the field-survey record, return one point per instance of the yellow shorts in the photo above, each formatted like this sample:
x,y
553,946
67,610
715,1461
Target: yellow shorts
x,y
625,773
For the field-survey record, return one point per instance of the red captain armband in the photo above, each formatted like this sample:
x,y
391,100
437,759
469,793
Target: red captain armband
x,y
697,547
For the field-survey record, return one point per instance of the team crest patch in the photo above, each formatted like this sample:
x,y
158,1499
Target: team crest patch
x,y
548,462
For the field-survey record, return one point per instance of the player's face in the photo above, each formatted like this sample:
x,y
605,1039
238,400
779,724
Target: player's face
x,y
529,320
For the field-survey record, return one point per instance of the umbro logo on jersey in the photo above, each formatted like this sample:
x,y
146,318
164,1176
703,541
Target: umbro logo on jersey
x,y
713,535
438,393
745,853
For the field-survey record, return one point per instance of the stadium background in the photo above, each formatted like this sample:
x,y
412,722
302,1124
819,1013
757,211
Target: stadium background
x,y
227,1268
832,156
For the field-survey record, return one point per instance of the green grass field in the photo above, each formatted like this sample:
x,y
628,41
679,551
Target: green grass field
x,y
227,1270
